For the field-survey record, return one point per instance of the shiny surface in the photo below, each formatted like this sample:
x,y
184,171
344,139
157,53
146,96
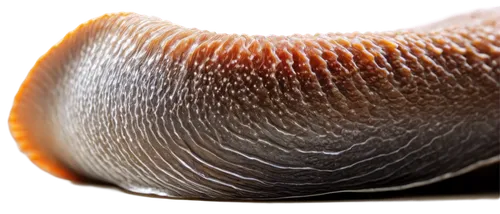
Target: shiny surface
x,y
292,118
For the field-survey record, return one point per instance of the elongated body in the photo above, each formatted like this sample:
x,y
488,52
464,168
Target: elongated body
x,y
160,109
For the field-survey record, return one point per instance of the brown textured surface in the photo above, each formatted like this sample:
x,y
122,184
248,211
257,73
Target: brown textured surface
x,y
158,108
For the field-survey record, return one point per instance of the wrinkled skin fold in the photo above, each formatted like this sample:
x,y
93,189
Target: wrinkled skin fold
x,y
157,108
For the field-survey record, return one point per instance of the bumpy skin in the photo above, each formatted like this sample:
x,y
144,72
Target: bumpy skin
x,y
157,108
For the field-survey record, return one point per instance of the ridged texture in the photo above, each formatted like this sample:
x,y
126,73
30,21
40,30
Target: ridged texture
x,y
157,108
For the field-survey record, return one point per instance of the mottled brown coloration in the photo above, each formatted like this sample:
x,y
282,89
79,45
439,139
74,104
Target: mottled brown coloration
x,y
157,108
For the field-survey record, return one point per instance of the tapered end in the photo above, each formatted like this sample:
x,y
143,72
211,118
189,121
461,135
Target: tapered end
x,y
26,127
30,120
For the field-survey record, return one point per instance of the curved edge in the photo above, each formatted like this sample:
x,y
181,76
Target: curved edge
x,y
19,128
22,118
296,199
33,147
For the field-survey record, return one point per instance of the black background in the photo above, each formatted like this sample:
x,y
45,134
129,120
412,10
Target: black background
x,y
32,26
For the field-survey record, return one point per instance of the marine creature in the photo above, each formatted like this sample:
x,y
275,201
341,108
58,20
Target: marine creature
x,y
157,108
